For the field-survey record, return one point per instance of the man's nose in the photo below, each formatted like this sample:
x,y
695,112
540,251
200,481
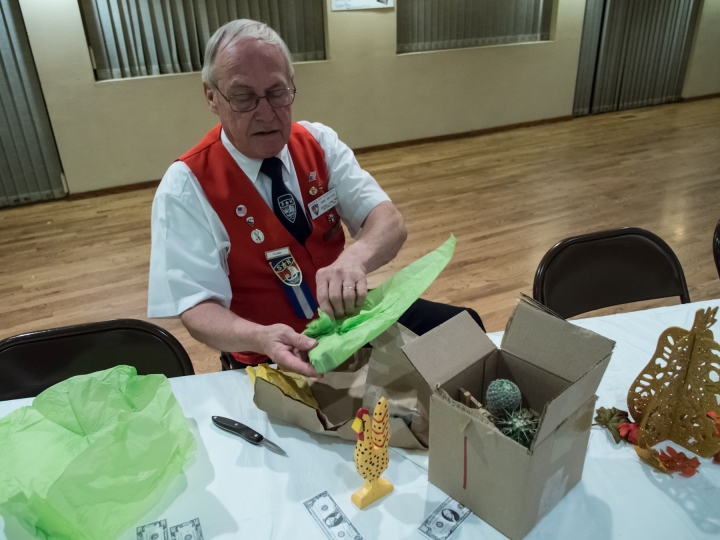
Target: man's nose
x,y
264,110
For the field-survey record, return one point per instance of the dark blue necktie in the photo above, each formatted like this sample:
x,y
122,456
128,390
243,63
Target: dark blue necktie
x,y
286,207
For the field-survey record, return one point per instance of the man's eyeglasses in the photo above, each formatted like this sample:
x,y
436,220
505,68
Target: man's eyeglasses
x,y
249,102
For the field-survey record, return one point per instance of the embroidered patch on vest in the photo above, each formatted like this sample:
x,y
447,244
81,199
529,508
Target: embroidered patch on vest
x,y
287,207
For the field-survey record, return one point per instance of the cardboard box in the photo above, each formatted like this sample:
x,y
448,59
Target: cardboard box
x,y
557,366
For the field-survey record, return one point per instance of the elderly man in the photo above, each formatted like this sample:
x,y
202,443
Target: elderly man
x,y
247,239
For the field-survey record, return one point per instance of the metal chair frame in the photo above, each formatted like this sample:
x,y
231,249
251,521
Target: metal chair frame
x,y
716,247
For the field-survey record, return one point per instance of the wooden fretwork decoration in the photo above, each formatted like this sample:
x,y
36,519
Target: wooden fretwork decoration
x,y
672,395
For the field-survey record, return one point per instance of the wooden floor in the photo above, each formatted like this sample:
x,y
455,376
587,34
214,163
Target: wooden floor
x,y
507,197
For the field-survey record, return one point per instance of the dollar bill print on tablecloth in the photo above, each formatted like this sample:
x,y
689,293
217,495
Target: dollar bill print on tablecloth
x,y
444,520
330,518
190,530
157,530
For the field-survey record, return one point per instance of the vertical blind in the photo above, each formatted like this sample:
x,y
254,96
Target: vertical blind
x,y
131,38
640,57
425,25
29,162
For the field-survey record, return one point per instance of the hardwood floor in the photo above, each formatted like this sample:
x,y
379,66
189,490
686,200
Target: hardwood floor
x,y
507,197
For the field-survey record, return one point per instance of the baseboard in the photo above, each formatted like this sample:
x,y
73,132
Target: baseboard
x,y
700,98
113,190
463,135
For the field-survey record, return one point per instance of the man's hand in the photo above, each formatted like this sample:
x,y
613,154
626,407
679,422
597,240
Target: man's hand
x,y
288,349
220,328
341,287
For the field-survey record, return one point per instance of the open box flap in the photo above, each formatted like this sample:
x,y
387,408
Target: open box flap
x,y
553,344
448,349
570,400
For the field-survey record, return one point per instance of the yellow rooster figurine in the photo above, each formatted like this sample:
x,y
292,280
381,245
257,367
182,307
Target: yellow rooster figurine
x,y
371,453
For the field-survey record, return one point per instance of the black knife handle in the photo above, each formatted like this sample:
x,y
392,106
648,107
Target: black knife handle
x,y
241,430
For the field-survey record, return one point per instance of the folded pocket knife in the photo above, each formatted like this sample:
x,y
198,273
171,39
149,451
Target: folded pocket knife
x,y
247,433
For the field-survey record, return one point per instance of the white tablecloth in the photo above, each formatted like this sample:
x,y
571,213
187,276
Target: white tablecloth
x,y
242,491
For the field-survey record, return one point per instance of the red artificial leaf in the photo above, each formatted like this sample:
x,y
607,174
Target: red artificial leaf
x,y
713,415
678,462
716,459
629,432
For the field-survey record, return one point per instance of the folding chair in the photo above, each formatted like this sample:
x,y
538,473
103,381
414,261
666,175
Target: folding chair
x,y
597,270
32,362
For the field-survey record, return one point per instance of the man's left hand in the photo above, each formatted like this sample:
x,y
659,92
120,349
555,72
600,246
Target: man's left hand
x,y
341,287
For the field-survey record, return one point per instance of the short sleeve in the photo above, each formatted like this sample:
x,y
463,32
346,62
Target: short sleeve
x,y
358,192
188,258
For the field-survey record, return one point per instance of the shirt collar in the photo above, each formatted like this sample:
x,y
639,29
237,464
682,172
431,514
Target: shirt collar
x,y
251,167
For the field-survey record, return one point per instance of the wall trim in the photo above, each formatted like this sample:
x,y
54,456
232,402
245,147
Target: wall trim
x,y
112,190
699,98
463,135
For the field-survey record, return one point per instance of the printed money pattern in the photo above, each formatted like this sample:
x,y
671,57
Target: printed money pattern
x,y
330,518
157,530
444,520
190,530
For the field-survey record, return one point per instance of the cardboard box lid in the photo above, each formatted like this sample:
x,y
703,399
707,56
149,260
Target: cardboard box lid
x,y
552,343
448,349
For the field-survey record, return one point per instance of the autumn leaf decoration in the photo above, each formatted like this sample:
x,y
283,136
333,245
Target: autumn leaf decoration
x,y
612,419
629,432
617,422
669,460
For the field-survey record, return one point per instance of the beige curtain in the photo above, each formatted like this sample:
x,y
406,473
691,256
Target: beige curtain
x,y
29,162
131,38
425,25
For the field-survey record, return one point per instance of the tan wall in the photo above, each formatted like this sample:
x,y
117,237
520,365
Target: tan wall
x,y
127,131
703,75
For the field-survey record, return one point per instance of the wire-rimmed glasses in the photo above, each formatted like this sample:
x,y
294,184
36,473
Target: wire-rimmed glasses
x,y
277,99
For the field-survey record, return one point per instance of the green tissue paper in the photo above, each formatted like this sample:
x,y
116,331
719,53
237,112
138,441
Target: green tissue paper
x,y
92,454
339,339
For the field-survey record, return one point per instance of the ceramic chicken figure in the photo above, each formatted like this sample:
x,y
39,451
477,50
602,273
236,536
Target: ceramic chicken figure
x,y
371,453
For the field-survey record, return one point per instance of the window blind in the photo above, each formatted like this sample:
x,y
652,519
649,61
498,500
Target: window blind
x,y
426,25
634,53
133,38
29,162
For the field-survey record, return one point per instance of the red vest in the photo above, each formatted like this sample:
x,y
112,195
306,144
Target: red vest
x,y
257,293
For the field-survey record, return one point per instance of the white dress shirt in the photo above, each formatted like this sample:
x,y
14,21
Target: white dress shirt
x,y
190,246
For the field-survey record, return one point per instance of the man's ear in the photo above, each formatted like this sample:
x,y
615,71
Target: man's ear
x,y
210,97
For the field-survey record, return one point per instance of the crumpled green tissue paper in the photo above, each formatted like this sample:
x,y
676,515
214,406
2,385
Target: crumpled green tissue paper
x,y
92,454
339,339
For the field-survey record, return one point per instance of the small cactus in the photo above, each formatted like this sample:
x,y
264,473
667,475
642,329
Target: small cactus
x,y
521,426
502,397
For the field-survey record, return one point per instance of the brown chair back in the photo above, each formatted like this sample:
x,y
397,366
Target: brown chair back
x,y
607,268
32,362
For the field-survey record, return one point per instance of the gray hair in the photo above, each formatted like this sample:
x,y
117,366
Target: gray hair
x,y
235,31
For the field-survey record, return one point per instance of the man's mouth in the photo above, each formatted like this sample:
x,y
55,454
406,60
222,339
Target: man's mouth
x,y
265,133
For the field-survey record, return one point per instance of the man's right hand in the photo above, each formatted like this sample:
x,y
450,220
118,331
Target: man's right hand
x,y
288,349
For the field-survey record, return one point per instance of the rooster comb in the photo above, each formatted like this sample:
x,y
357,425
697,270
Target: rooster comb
x,y
362,412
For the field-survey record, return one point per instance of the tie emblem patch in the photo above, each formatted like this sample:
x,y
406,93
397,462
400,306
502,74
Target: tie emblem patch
x,y
298,292
287,207
287,270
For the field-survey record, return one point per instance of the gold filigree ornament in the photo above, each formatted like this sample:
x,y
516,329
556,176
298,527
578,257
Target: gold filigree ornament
x,y
672,395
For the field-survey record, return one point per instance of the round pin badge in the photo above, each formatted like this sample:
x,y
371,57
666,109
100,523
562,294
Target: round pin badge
x,y
257,236
250,221
313,190
241,210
